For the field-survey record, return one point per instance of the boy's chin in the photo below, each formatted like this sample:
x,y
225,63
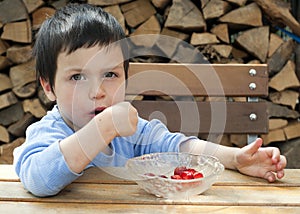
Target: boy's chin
x,y
76,125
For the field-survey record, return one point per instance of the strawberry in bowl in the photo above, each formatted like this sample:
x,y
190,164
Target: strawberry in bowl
x,y
174,175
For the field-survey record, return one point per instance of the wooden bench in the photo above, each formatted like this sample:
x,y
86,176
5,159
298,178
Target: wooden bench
x,y
202,98
98,190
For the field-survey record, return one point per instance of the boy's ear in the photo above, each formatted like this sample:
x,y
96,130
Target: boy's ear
x,y
47,89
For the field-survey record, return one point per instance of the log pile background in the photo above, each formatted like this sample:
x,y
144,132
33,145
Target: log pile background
x,y
224,31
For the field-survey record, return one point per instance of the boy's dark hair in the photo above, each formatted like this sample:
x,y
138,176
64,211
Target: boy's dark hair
x,y
71,27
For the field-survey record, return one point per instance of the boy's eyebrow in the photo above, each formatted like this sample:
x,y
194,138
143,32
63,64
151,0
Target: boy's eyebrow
x,y
80,69
113,67
74,68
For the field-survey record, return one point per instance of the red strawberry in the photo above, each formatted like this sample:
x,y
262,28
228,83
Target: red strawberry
x,y
178,170
149,174
198,175
191,170
186,175
176,177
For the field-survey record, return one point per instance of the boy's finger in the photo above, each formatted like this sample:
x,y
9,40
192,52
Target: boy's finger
x,y
281,163
280,174
269,176
253,147
275,155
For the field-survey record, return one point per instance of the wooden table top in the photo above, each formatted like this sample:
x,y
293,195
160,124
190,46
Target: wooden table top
x,y
99,192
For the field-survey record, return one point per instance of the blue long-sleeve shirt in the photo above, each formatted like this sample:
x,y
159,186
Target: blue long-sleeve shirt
x,y
43,170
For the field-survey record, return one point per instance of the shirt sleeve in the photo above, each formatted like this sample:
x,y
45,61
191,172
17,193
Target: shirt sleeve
x,y
155,137
39,162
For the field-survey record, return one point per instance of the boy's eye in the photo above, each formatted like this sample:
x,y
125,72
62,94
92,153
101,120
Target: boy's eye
x,y
77,77
110,74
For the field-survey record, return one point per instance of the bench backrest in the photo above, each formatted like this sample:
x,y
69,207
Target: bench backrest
x,y
202,98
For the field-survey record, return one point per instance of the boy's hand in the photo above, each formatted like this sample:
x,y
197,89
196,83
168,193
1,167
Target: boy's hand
x,y
124,118
260,162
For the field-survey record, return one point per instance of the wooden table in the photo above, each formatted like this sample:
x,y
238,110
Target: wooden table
x,y
99,192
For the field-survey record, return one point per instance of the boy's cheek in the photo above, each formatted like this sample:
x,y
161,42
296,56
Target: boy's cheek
x,y
118,98
119,94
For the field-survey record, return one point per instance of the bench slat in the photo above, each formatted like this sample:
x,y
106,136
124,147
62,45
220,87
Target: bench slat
x,y
197,117
50,208
110,193
196,79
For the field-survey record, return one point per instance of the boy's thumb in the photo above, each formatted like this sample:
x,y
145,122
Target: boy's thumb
x,y
254,146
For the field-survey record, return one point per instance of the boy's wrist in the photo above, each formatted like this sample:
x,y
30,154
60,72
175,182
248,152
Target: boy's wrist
x,y
228,157
234,159
106,126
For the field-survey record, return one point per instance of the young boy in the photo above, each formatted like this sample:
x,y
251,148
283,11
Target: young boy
x,y
81,64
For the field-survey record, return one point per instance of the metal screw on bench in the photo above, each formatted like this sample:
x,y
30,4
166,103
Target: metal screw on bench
x,y
252,86
252,72
253,116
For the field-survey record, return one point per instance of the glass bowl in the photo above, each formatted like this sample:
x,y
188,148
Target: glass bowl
x,y
152,172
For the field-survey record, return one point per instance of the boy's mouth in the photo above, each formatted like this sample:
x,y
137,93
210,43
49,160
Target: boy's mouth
x,y
99,110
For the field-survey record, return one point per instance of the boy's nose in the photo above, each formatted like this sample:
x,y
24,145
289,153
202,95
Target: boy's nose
x,y
97,92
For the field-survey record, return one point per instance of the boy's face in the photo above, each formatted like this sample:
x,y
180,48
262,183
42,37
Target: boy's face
x,y
87,81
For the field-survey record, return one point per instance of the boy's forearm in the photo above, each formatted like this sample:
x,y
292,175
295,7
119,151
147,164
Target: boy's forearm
x,y
83,146
226,155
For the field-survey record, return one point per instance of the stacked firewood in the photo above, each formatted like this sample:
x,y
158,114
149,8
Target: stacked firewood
x,y
223,31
